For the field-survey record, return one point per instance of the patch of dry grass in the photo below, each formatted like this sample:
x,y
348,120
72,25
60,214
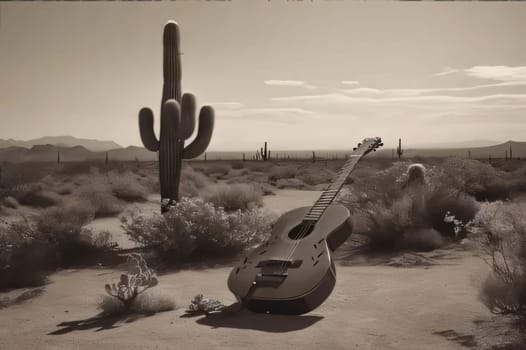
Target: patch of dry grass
x,y
147,303
234,197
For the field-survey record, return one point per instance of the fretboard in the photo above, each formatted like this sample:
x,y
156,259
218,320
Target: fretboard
x,y
328,196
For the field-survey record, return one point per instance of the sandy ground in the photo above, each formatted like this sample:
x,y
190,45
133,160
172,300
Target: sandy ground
x,y
372,307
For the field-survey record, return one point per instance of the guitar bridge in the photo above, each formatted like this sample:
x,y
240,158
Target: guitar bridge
x,y
282,263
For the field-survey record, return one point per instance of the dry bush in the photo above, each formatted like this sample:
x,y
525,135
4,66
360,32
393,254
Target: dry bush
x,y
35,196
282,172
290,183
311,178
217,168
24,261
11,202
100,203
501,233
129,190
149,303
258,166
64,190
264,188
54,238
234,197
192,182
196,230
237,165
478,179
398,217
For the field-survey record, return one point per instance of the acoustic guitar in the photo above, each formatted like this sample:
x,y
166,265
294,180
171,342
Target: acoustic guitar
x,y
293,272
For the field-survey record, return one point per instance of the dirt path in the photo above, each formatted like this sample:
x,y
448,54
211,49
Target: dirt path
x,y
372,307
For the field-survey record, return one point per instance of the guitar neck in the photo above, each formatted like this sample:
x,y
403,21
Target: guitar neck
x,y
328,195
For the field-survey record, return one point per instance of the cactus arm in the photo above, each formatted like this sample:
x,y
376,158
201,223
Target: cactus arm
x,y
204,134
146,129
187,116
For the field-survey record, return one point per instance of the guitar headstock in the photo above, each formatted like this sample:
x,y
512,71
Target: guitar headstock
x,y
369,145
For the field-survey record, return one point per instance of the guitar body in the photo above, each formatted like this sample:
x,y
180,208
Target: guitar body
x,y
293,272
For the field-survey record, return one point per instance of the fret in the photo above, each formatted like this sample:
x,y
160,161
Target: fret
x,y
328,195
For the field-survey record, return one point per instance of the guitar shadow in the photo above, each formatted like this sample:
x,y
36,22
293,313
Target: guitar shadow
x,y
246,319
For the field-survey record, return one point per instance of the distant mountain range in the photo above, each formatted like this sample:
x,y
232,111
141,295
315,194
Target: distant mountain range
x,y
74,149
464,144
62,141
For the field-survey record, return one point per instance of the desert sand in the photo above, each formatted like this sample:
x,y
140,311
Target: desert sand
x,y
374,306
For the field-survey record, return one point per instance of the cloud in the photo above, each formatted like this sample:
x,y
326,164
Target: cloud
x,y
339,97
500,73
446,71
415,92
296,83
350,82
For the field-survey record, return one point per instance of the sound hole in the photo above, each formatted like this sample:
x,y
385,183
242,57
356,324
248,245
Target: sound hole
x,y
301,231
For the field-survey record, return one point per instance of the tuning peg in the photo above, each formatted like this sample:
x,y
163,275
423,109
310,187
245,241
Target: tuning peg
x,y
359,145
354,149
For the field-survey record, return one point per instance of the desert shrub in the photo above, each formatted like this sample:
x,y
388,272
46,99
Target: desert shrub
x,y
63,228
65,190
24,261
398,217
129,191
217,168
36,196
290,183
11,202
237,165
148,303
264,188
478,179
192,182
401,225
316,178
441,201
501,233
100,203
196,230
234,197
282,172
258,166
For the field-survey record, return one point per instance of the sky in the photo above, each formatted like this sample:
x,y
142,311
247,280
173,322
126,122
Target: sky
x,y
300,75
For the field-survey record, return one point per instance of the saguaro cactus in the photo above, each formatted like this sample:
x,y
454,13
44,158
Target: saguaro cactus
x,y
264,153
399,149
177,122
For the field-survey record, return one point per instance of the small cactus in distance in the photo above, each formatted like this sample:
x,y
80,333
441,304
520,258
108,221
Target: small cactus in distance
x,y
399,150
264,153
177,122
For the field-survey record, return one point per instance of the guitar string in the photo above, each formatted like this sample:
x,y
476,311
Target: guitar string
x,y
305,231
307,228
353,161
